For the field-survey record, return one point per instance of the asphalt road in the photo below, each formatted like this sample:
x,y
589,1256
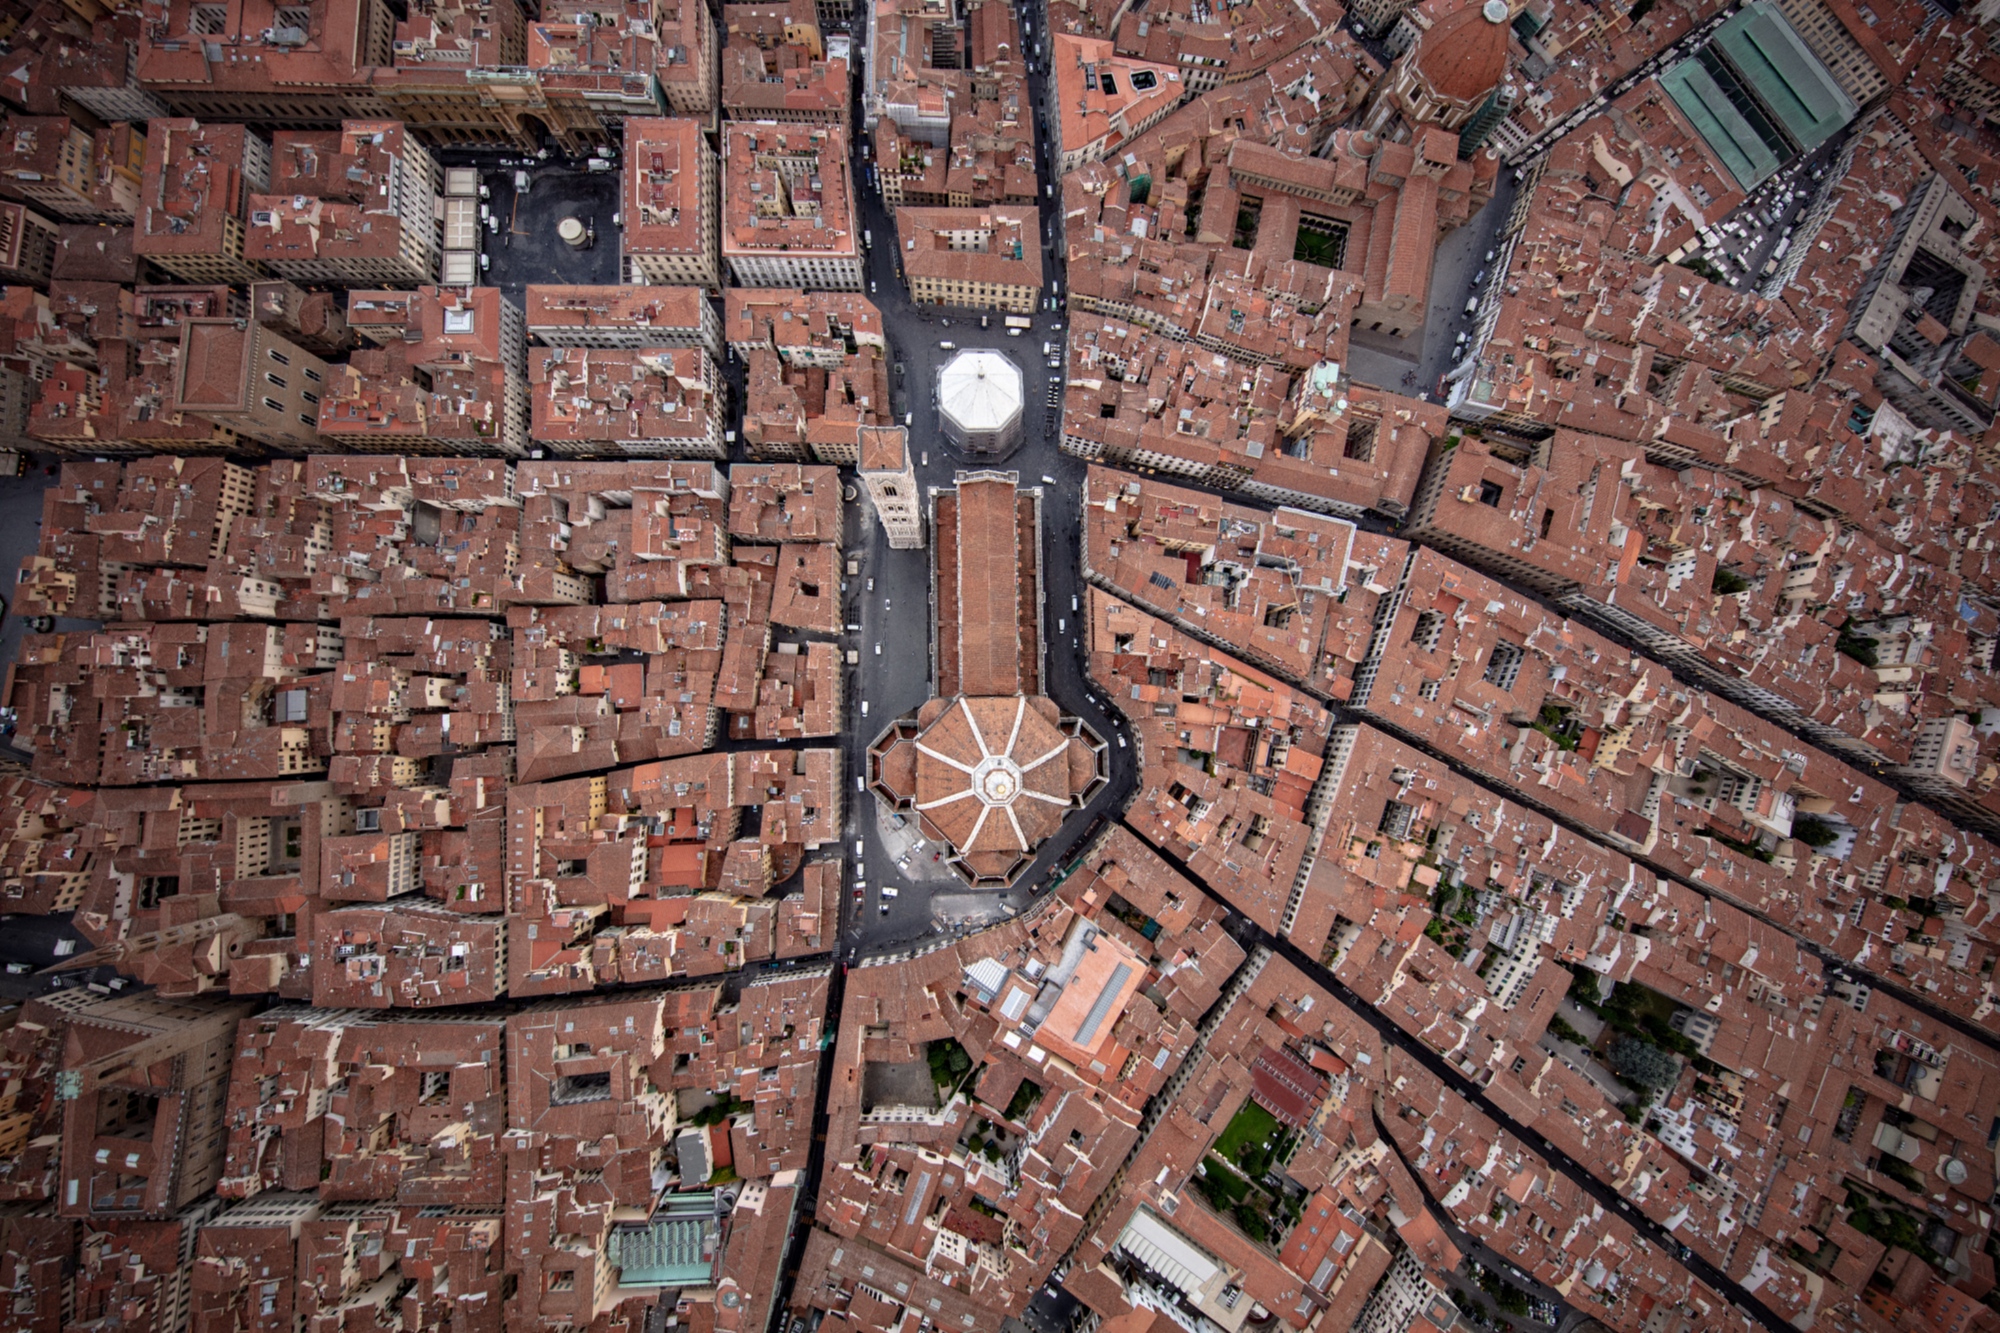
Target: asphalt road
x,y
1742,257
1416,364
20,536
895,673
29,943
526,248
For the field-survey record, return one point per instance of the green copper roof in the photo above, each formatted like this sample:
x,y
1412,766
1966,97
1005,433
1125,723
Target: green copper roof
x,y
1784,74
1720,124
676,1249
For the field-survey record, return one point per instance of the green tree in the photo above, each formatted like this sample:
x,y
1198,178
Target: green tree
x,y
1252,1222
949,1062
1644,1063
1814,831
1728,582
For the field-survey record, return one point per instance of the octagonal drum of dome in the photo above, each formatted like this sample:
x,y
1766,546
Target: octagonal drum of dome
x,y
996,776
979,401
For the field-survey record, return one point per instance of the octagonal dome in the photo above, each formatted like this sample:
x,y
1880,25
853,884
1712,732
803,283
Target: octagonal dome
x,y
995,776
980,396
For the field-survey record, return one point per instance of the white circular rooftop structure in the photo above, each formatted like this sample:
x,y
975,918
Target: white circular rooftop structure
x,y
996,780
979,400
1495,11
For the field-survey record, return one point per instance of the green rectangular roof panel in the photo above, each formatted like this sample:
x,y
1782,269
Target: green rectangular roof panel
x,y
677,1248
1721,126
1784,74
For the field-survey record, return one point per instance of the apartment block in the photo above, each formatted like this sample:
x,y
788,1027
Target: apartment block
x,y
977,258
782,80
246,1267
448,1265
685,60
193,204
91,252
315,320
946,105
623,316
117,405
27,245
670,204
69,172
1104,98
93,61
411,954
592,69
241,375
1203,53
806,393
352,206
318,1098
770,24
137,1274
788,207
458,75
1294,592
445,375
294,65
803,328
650,402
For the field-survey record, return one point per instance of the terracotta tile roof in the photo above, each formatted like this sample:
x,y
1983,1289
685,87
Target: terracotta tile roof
x,y
986,629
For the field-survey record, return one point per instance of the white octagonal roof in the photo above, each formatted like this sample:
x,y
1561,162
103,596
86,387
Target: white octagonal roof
x,y
980,389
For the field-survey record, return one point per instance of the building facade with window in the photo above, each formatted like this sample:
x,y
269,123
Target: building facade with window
x,y
239,374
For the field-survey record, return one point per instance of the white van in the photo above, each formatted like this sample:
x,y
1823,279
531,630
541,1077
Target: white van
x,y
1472,305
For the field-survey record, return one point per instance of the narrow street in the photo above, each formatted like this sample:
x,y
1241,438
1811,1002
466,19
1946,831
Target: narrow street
x,y
1249,934
29,943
